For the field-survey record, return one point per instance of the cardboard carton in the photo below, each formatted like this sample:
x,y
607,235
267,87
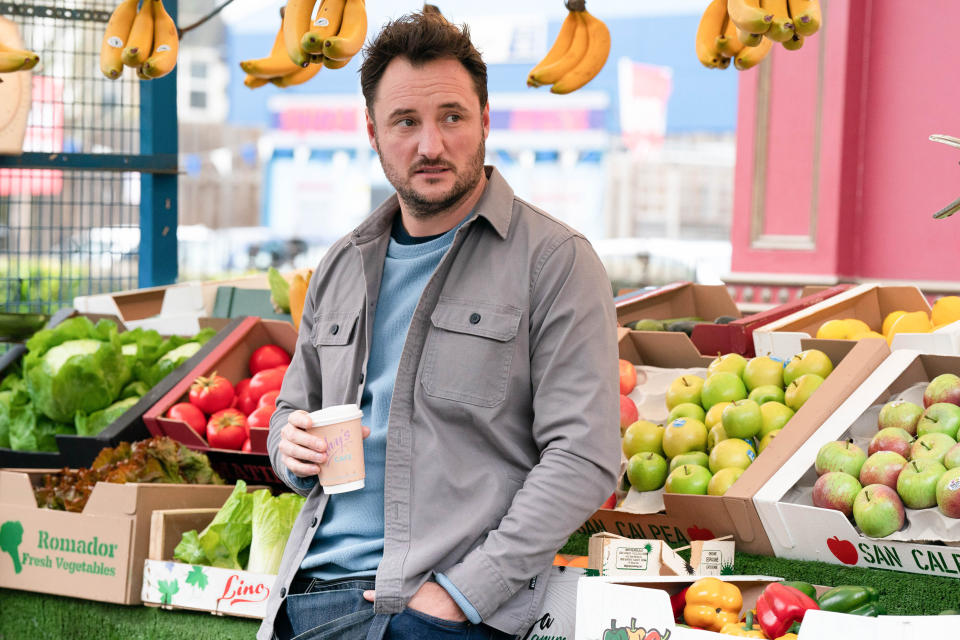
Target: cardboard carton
x,y
799,530
686,518
678,300
175,585
737,336
97,554
868,302
80,451
228,359
613,555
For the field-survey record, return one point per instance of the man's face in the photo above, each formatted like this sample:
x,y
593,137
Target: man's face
x,y
429,131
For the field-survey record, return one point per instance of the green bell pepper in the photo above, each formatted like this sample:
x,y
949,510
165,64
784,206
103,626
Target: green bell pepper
x,y
869,609
846,598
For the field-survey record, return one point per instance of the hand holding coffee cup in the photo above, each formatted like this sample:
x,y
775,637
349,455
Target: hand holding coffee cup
x,y
304,449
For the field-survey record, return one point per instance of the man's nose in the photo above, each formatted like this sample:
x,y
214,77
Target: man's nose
x,y
431,141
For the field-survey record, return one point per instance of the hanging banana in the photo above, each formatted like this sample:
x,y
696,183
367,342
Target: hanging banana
x,y
166,43
781,27
559,48
275,65
325,24
752,56
353,31
805,15
140,41
598,49
577,55
16,59
115,38
711,28
728,44
749,16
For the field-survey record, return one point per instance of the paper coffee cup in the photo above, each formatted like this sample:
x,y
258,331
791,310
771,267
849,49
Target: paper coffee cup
x,y
340,427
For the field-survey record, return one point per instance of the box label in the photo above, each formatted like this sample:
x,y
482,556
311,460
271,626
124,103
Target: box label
x,y
51,551
184,586
631,559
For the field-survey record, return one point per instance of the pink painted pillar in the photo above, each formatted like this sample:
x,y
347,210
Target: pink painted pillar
x,y
835,175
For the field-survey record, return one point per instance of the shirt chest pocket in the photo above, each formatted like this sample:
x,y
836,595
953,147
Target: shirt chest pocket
x,y
469,351
335,339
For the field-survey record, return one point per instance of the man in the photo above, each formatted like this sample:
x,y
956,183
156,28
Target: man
x,y
478,336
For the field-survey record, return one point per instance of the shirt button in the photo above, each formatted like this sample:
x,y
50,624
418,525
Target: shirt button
x,y
361,378
283,592
314,523
334,329
474,318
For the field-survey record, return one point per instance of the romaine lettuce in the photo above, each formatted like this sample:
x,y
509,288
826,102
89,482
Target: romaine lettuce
x,y
273,519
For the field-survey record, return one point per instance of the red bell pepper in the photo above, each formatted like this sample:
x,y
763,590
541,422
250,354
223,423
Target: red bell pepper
x,y
779,606
678,601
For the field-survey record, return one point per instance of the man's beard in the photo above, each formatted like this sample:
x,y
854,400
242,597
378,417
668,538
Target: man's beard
x,y
423,207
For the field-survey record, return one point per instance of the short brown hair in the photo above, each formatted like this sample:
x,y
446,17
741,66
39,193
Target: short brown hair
x,y
420,38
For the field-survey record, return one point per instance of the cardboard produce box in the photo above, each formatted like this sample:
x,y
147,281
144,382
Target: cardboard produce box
x,y
626,605
928,544
737,336
97,554
79,451
678,300
868,302
681,518
175,585
171,309
228,359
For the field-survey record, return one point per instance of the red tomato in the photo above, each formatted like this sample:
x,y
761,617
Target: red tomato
x,y
267,357
246,403
269,398
186,412
241,387
227,429
267,380
246,446
211,394
260,418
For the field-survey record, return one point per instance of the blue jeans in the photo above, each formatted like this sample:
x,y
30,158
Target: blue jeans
x,y
336,610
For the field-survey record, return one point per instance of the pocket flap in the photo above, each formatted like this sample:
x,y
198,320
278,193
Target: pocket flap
x,y
334,328
496,321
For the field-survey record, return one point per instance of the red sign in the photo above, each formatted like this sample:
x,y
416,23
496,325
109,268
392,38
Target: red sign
x,y
44,134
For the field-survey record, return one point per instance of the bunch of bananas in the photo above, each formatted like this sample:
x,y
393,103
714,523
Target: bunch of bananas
x,y
13,58
577,55
146,39
735,30
307,42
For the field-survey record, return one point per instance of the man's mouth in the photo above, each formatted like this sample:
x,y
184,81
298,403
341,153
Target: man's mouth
x,y
430,170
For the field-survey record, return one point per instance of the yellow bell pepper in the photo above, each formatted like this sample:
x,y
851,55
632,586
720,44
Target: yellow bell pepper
x,y
712,603
788,636
743,629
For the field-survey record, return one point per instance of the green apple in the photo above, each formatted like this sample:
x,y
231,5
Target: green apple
x,y
723,480
688,478
716,411
766,440
932,445
690,457
809,361
840,456
775,416
732,452
722,387
647,471
878,511
917,483
641,436
715,435
687,410
742,419
683,435
731,362
952,458
766,393
763,371
940,417
800,390
944,388
901,414
684,389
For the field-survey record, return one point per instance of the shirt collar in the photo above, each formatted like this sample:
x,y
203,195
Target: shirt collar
x,y
495,204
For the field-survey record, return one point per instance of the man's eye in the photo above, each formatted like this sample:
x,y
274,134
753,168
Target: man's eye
x,y
406,122
454,117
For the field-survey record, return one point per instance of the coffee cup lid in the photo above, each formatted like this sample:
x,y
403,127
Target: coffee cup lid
x,y
335,414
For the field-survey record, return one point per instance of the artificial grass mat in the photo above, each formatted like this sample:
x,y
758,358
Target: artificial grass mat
x,y
902,594
39,616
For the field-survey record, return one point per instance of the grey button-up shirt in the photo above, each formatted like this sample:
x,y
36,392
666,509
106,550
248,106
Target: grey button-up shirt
x,y
503,434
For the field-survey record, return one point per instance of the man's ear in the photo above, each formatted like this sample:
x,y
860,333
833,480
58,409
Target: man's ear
x,y
372,130
485,118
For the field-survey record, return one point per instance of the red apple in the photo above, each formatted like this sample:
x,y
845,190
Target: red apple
x,y
883,467
836,490
628,413
628,376
891,439
944,388
948,493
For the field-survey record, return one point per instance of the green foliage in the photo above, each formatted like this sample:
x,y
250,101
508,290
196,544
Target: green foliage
x,y
273,519
41,284
226,539
93,423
